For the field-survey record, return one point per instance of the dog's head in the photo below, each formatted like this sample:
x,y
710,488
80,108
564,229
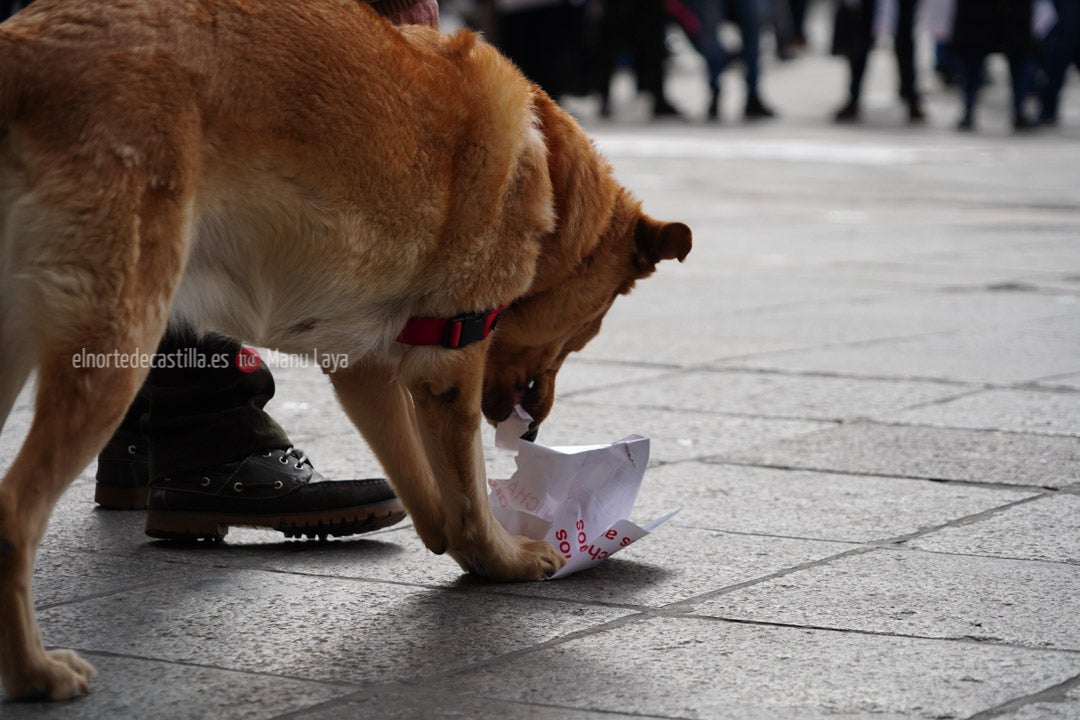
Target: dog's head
x,y
539,330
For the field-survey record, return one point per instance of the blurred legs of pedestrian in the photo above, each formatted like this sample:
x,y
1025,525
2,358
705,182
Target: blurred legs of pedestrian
x,y
984,27
860,42
798,22
707,42
635,28
10,7
541,38
1021,75
1060,50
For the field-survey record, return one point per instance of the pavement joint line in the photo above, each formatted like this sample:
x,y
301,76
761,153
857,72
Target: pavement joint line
x,y
101,595
871,342
972,639
721,460
716,413
960,521
210,666
687,605
1053,694
418,692
1011,558
1000,431
1032,385
614,623
890,543
746,533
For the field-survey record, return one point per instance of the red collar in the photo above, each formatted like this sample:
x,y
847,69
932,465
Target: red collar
x,y
454,332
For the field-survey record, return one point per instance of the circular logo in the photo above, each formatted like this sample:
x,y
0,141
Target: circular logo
x,y
247,360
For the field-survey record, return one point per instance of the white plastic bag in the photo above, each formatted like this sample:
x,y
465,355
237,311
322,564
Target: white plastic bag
x,y
577,498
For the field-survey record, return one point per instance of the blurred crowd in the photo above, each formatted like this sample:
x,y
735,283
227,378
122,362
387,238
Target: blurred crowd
x,y
573,47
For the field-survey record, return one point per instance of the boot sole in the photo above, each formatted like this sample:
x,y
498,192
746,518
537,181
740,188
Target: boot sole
x,y
340,522
121,497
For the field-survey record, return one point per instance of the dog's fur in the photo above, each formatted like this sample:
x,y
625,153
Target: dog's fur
x,y
302,176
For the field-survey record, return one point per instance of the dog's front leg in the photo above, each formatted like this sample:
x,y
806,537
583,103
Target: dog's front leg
x,y
382,409
446,387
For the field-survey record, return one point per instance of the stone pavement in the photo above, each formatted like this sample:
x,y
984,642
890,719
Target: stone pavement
x,y
863,390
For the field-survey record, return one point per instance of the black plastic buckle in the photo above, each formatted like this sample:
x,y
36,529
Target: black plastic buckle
x,y
469,328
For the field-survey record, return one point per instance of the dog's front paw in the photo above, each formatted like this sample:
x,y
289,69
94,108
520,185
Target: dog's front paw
x,y
55,675
516,559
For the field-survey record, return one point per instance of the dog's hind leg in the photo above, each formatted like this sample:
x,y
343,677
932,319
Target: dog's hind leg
x,y
76,411
89,328
16,362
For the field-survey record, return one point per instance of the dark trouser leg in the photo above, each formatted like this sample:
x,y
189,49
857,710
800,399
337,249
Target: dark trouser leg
x,y
206,412
1060,49
861,45
798,17
750,30
1022,74
905,48
187,417
973,65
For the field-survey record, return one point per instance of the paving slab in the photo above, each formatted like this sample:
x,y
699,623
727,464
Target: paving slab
x,y
675,435
1064,706
409,703
845,508
926,452
1025,411
906,592
703,668
972,356
143,688
313,628
673,564
1045,529
774,394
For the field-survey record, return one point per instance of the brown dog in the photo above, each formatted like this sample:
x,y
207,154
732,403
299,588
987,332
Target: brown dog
x,y
303,176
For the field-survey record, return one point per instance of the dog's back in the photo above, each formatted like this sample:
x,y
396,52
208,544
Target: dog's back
x,y
270,131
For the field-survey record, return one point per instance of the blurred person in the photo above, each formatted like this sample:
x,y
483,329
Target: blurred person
x,y
855,26
1059,50
543,38
634,29
983,27
797,9
706,40
198,427
10,7
938,17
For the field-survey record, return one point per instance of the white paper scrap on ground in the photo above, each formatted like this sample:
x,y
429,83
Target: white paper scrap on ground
x,y
576,498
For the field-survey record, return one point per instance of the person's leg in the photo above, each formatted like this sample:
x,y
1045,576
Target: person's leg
x,y
650,53
1022,73
707,42
216,458
123,466
750,30
973,64
1060,49
798,21
905,58
858,54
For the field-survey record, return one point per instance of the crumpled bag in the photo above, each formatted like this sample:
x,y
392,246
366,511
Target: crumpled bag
x,y
576,498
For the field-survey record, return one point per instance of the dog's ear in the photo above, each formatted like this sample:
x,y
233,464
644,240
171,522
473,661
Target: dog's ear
x,y
658,241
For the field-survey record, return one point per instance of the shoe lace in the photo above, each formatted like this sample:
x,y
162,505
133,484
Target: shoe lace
x,y
295,453
299,455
